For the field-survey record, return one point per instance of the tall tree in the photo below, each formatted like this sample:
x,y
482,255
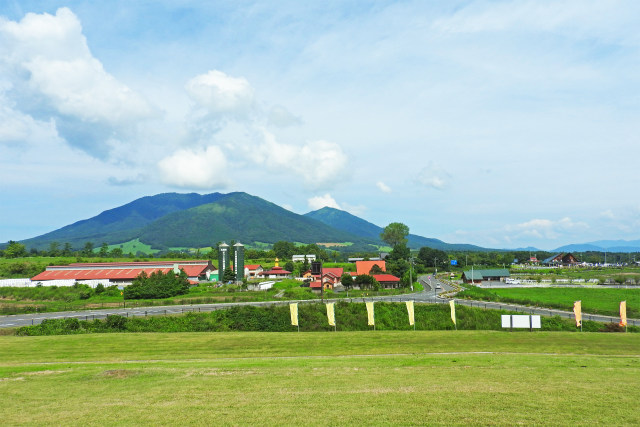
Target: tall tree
x,y
15,250
88,249
54,249
68,249
395,234
104,249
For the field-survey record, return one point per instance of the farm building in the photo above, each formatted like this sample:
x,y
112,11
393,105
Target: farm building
x,y
276,272
479,276
364,267
562,259
387,281
119,273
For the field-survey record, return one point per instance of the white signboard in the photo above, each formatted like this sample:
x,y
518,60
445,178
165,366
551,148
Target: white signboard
x,y
521,321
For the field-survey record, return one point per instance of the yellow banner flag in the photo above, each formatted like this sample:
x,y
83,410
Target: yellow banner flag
x,y
623,313
577,310
293,308
370,315
331,314
453,311
410,311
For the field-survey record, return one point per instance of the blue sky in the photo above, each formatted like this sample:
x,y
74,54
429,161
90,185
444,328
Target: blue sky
x,y
499,123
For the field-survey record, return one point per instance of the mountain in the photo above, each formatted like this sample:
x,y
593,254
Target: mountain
x,y
602,246
242,217
345,221
123,223
193,220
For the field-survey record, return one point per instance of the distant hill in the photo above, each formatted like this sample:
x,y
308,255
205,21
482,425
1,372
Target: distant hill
x,y
193,220
602,246
123,223
347,222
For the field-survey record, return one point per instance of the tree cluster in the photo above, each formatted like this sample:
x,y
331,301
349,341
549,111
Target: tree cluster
x,y
157,285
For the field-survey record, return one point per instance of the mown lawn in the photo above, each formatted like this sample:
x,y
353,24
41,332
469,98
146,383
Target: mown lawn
x,y
594,300
362,378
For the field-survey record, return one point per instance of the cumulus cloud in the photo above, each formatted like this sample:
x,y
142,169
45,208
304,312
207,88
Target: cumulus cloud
x,y
433,176
607,214
125,181
52,75
320,164
319,202
383,187
281,117
220,94
198,169
545,228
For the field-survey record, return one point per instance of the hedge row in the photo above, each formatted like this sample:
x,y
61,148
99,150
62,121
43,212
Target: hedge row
x,y
312,317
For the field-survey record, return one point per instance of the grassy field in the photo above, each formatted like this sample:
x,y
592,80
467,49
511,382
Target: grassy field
x,y
594,300
363,378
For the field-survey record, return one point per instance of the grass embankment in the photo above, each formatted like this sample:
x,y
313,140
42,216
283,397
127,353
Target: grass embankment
x,y
364,378
312,318
604,301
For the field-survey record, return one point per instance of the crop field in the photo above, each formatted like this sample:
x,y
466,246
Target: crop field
x,y
594,300
332,378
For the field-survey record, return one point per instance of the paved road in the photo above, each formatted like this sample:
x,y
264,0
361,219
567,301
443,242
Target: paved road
x,y
430,294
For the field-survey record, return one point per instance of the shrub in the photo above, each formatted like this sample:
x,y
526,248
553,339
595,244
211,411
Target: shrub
x,y
157,285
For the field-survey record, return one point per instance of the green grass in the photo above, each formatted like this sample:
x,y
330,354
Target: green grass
x,y
343,378
594,300
133,247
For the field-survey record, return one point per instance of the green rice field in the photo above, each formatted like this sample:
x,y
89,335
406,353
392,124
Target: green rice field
x,y
331,378
594,300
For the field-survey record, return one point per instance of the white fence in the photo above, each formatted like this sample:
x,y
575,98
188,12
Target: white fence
x,y
17,283
28,283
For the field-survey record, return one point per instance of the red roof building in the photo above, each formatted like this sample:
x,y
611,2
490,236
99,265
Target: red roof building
x,y
387,280
364,267
122,272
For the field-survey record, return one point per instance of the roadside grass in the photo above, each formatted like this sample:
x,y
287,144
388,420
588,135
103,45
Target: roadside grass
x,y
362,378
312,318
594,300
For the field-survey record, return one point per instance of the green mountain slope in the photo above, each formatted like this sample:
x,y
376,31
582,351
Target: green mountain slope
x,y
242,217
347,222
122,223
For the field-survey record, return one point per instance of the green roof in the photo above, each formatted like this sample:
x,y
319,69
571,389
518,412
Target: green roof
x,y
481,274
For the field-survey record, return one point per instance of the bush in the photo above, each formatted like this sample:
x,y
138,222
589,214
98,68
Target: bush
x,y
157,285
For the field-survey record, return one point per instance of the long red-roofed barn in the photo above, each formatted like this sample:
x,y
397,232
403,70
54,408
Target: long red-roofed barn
x,y
120,273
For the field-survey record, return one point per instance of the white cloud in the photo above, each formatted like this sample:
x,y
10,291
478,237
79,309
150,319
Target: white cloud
x,y
281,117
53,76
198,169
219,93
607,214
357,210
545,228
433,176
320,164
319,202
383,187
